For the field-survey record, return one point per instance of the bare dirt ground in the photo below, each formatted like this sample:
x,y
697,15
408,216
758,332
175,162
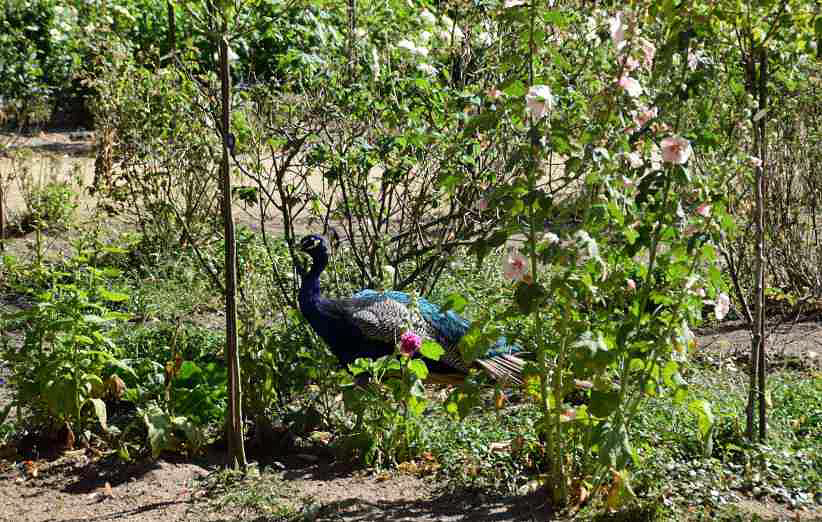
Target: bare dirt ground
x,y
79,486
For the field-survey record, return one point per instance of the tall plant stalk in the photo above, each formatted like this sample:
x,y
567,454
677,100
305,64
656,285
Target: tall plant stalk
x,y
236,448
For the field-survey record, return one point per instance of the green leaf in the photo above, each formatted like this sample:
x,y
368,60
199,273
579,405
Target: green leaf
x,y
603,403
100,412
529,296
418,367
432,350
705,417
454,302
113,296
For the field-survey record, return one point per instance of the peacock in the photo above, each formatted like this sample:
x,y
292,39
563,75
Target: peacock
x,y
370,323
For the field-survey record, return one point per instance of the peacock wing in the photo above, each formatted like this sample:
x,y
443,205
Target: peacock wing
x,y
380,318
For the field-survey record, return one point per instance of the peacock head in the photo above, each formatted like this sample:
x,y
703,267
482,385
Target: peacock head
x,y
317,248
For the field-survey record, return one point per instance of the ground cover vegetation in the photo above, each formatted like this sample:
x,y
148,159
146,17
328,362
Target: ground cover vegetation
x,y
594,183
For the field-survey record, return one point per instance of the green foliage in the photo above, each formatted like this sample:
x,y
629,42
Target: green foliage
x,y
49,206
58,370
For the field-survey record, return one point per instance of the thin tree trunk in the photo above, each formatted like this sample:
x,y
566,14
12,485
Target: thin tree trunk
x,y
236,448
172,31
756,394
761,196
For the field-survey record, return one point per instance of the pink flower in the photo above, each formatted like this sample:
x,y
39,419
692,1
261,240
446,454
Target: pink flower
x,y
629,63
676,150
754,162
516,267
631,284
722,306
494,93
539,101
648,51
568,415
631,86
644,116
410,343
704,210
583,385
482,204
617,29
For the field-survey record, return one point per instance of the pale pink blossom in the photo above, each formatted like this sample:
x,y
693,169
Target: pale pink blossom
x,y
704,210
693,59
515,267
539,101
627,183
410,343
617,29
676,150
494,93
629,63
631,86
631,284
482,204
644,116
513,3
567,415
754,162
648,52
722,306
583,385
635,160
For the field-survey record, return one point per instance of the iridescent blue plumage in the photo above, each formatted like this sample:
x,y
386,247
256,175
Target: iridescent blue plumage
x,y
369,323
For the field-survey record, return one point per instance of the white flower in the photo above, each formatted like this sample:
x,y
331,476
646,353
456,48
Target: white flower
x,y
539,101
427,68
409,46
552,238
694,57
676,150
722,306
635,160
375,61
485,38
515,267
428,17
704,210
513,3
631,284
425,36
631,86
754,162
629,63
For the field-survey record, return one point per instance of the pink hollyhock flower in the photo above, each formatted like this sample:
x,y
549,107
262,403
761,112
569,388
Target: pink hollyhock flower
x,y
617,29
631,86
494,93
644,116
722,306
583,385
648,51
631,284
410,343
676,150
515,267
704,210
629,63
568,415
539,101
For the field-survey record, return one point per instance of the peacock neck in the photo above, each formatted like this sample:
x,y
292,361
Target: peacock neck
x,y
310,287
